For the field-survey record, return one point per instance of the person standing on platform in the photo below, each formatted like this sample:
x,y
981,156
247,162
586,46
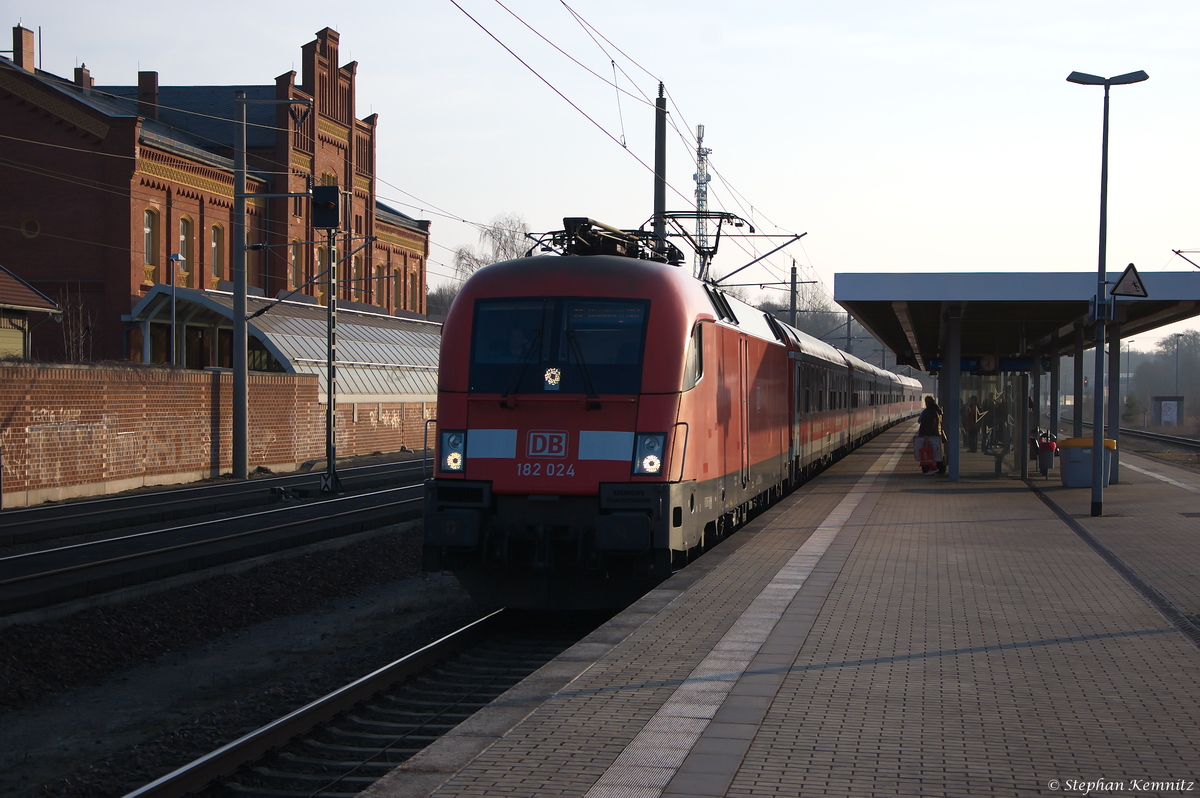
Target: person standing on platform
x,y
987,421
970,422
929,425
1000,426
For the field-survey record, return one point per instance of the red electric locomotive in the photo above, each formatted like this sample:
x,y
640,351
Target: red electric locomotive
x,y
603,416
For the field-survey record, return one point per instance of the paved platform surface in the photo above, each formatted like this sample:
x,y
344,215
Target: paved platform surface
x,y
884,633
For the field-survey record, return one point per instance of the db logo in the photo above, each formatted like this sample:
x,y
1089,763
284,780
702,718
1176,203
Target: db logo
x,y
547,443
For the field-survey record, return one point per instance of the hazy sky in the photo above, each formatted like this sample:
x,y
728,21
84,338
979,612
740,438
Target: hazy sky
x,y
921,136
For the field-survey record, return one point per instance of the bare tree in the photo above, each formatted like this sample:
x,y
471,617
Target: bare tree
x,y
77,324
815,315
507,237
438,300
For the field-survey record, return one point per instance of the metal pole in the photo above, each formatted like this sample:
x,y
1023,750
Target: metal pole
x,y
1077,409
793,292
1114,395
1035,391
1098,402
1177,337
173,263
660,171
1055,379
330,482
241,377
1021,419
952,403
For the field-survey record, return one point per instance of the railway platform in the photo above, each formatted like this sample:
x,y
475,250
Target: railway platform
x,y
879,632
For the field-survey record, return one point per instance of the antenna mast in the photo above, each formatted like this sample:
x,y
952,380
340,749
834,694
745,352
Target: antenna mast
x,y
701,177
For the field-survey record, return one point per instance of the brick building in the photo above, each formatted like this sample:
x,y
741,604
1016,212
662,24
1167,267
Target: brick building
x,y
104,184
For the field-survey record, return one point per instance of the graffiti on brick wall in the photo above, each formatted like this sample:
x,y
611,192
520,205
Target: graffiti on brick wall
x,y
47,415
392,419
261,446
62,449
72,427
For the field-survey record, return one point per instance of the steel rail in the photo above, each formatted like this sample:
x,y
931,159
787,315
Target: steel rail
x,y
205,541
151,532
198,774
29,524
1178,440
189,490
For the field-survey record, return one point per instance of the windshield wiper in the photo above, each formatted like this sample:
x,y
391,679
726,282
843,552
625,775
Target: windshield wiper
x,y
526,359
573,341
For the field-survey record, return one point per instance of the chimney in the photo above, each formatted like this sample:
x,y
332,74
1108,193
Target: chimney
x,y
148,94
83,77
23,48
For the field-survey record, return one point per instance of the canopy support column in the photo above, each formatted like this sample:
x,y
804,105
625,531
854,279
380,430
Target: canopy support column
x,y
1077,408
1114,394
953,405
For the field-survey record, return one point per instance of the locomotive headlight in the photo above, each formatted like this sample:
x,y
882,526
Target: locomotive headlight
x,y
453,452
647,453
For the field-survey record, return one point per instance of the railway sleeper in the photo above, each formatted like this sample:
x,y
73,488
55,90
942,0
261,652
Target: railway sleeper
x,y
364,737
376,766
303,777
356,750
397,728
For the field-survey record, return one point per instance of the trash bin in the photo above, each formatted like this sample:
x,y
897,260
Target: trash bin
x,y
1046,450
1075,462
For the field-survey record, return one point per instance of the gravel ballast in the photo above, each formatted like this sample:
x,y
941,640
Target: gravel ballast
x,y
108,699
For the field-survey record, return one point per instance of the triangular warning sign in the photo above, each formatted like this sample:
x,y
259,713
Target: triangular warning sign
x,y
1129,284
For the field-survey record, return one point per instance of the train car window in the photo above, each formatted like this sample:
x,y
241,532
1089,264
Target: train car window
x,y
564,345
694,366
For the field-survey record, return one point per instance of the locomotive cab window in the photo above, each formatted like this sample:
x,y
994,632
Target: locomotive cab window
x,y
694,366
558,344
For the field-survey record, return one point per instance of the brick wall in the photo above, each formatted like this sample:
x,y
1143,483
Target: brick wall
x,y
69,431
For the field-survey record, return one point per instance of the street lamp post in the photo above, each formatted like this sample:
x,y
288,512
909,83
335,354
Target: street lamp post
x,y
1101,305
175,259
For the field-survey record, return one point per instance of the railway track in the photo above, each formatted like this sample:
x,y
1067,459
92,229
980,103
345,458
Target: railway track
x,y
49,522
340,744
36,579
1157,437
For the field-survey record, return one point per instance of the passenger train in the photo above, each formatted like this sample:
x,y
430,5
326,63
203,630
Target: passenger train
x,y
603,416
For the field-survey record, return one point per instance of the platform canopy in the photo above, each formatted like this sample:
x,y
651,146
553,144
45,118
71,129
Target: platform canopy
x,y
381,358
1005,315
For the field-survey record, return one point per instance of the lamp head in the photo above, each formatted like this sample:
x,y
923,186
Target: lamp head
x,y
1095,80
1129,77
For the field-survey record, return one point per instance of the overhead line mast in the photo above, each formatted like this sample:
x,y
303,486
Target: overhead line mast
x,y
701,177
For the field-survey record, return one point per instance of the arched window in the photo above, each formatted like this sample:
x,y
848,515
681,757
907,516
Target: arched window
x,y
323,283
218,254
360,280
379,288
150,246
297,257
414,285
183,274
398,289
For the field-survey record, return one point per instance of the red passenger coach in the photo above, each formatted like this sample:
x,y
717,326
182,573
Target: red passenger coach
x,y
602,417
